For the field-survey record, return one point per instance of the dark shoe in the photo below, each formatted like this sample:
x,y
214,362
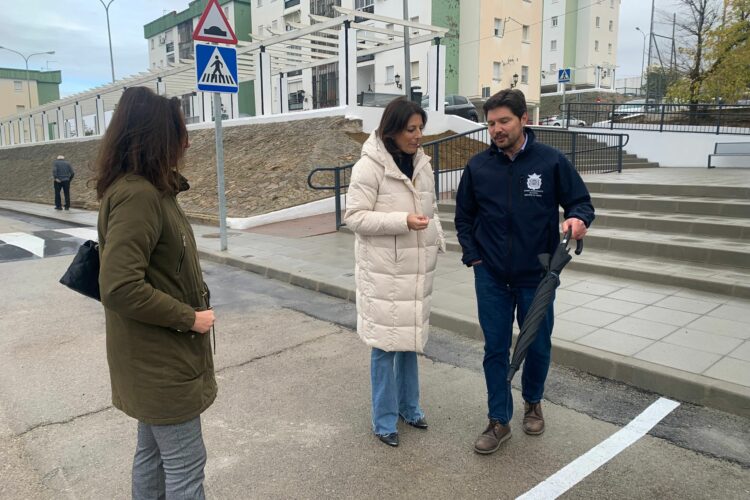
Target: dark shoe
x,y
390,439
419,424
67,208
491,439
533,420
58,208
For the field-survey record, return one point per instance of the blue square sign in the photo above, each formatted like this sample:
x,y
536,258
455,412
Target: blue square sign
x,y
216,68
563,75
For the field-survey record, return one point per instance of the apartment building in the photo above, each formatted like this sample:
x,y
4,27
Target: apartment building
x,y
580,35
314,88
16,90
170,42
500,48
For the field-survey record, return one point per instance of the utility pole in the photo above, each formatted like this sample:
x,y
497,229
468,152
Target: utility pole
x,y
650,43
109,36
407,55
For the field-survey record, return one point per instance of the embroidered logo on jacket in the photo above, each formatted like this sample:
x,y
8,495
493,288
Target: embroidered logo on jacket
x,y
534,186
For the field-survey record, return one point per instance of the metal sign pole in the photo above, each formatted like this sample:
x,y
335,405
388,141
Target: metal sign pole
x,y
220,172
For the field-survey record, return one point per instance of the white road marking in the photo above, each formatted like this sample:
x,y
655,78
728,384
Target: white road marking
x,y
83,233
28,242
577,470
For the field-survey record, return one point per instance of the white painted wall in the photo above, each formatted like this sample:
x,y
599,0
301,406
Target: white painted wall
x,y
668,148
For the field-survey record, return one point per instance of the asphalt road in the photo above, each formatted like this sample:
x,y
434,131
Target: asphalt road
x,y
292,417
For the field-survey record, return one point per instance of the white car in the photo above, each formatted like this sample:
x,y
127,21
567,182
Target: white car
x,y
562,121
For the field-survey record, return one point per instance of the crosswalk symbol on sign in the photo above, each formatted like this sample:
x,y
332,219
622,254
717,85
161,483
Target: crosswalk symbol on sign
x,y
563,75
216,68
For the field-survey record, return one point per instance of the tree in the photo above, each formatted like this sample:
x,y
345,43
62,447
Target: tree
x,y
716,53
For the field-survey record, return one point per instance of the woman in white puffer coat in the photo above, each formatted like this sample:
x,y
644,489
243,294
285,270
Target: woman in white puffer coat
x,y
392,209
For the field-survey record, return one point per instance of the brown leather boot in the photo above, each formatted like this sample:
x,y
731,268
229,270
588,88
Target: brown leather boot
x,y
492,437
533,420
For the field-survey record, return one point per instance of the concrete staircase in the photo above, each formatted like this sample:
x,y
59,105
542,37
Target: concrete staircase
x,y
590,152
694,237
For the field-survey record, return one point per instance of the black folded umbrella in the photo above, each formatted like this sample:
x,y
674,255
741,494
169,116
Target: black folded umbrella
x,y
542,299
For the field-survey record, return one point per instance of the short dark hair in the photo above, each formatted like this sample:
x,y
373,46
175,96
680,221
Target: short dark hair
x,y
147,137
513,99
395,119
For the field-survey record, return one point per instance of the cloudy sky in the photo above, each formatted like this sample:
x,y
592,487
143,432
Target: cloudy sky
x,y
77,31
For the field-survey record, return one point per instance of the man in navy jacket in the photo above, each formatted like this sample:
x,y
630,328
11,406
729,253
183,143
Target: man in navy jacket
x,y
507,212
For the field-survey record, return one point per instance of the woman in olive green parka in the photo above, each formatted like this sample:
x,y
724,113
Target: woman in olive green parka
x,y
155,301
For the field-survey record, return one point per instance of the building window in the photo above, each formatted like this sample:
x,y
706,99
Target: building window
x,y
365,6
170,47
389,26
20,108
596,45
260,30
389,74
611,26
152,44
598,21
553,45
259,4
498,27
18,85
609,49
554,21
497,71
415,70
275,25
611,4
525,33
170,58
415,30
485,92
553,68
525,75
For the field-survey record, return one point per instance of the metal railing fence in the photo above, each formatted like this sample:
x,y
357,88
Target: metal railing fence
x,y
695,118
588,152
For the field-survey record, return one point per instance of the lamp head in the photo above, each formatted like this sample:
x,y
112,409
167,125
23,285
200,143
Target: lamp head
x,y
515,78
397,78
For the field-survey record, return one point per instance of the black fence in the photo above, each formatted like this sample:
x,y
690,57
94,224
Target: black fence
x,y
589,152
696,118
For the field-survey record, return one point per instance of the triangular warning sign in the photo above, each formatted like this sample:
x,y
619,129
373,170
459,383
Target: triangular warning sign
x,y
216,71
213,26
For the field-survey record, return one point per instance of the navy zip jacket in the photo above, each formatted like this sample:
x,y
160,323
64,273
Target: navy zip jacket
x,y
507,212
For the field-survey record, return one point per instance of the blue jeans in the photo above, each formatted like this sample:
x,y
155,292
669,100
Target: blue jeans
x,y
498,303
395,389
169,461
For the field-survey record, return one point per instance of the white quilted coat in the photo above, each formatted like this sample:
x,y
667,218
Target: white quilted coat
x,y
394,265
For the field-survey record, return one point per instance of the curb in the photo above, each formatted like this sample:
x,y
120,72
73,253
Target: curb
x,y
671,382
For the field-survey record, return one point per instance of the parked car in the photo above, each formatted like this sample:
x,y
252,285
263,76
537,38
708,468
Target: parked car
x,y
562,121
456,105
635,107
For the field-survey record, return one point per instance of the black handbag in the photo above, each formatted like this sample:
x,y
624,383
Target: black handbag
x,y
82,275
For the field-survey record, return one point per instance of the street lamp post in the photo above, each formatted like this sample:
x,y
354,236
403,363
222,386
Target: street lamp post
x,y
109,36
643,53
26,60
515,81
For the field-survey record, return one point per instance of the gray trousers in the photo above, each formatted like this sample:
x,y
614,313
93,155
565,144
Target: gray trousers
x,y
169,462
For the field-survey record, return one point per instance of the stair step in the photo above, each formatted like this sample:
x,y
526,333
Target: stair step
x,y
703,277
692,191
667,247
705,226
685,205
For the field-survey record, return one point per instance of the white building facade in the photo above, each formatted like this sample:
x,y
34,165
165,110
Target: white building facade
x,y
580,35
315,88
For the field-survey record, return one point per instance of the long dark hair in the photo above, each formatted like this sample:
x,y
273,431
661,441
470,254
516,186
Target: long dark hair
x,y
147,137
395,119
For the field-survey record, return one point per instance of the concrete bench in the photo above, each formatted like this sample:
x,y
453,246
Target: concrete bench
x,y
729,149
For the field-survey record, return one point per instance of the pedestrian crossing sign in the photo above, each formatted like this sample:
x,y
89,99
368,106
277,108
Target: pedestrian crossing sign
x,y
563,75
216,68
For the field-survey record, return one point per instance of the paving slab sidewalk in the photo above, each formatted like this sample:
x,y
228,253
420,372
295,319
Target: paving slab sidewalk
x,y
681,343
